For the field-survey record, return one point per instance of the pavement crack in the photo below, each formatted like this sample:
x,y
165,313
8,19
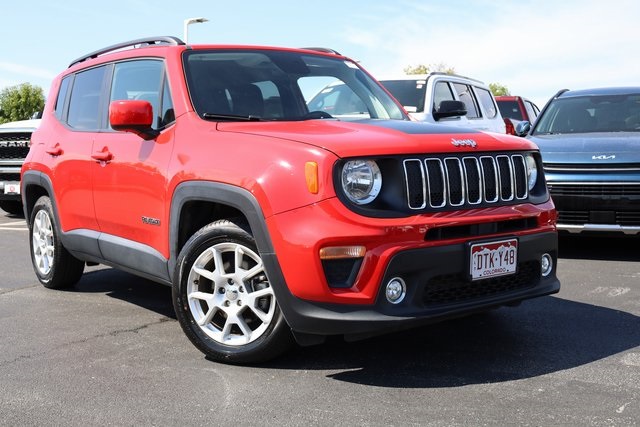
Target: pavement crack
x,y
84,341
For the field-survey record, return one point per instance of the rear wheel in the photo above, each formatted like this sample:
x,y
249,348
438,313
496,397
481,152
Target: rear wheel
x,y
14,207
223,298
55,267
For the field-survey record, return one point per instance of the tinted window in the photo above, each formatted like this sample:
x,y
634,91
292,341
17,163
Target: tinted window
x,y
84,105
141,80
486,100
409,93
605,113
510,109
466,95
62,96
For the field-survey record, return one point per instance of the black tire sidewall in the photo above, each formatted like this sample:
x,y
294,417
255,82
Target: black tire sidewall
x,y
65,269
271,343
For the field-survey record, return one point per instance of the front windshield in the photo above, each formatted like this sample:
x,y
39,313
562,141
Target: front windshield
x,y
280,85
586,114
410,93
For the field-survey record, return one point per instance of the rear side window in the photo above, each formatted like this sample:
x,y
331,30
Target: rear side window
x,y
84,105
465,94
62,97
487,102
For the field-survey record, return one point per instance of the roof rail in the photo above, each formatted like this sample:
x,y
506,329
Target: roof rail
x,y
560,92
323,50
443,73
148,41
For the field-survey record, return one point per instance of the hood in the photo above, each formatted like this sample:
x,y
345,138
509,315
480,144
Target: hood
x,y
606,148
380,137
22,124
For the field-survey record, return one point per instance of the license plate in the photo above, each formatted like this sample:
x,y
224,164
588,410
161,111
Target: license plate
x,y
492,259
11,188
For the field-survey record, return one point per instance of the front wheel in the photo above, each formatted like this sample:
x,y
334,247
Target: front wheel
x,y
223,299
55,267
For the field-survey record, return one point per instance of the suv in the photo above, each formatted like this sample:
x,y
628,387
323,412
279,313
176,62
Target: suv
x,y
14,146
590,144
202,168
429,98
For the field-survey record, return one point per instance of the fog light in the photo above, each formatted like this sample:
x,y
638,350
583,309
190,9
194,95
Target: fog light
x,y
396,290
546,264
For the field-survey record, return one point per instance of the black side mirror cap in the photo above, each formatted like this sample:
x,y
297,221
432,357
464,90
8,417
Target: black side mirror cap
x,y
450,108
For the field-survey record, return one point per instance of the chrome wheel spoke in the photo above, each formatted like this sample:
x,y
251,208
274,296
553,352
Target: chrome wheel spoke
x,y
221,296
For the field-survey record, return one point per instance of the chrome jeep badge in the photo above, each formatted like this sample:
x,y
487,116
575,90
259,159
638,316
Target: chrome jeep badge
x,y
464,142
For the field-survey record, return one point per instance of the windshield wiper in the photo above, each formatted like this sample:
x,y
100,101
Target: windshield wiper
x,y
231,117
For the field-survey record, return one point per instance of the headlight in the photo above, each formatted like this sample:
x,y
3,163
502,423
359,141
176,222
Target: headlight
x,y
532,171
361,181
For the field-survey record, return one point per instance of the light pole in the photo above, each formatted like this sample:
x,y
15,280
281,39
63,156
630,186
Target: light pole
x,y
188,22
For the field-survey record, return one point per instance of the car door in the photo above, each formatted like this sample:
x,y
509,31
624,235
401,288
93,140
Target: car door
x,y
129,173
70,147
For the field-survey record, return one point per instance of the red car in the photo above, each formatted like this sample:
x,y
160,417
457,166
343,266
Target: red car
x,y
202,167
516,109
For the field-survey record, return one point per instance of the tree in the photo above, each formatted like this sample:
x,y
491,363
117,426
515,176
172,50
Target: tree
x,y
498,90
426,69
20,102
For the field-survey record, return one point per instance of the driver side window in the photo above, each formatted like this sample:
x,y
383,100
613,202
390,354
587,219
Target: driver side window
x,y
143,80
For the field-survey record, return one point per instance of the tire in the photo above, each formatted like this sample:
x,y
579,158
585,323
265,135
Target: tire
x,y
228,308
55,267
14,207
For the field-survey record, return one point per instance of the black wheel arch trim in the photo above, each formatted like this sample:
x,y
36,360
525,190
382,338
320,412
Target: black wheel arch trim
x,y
245,202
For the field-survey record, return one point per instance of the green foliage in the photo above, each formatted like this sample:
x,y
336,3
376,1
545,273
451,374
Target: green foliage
x,y
426,69
498,90
20,102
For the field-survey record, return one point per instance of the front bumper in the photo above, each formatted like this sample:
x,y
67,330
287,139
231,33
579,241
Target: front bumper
x,y
596,201
436,276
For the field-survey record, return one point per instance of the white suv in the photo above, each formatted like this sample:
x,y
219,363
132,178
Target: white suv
x,y
422,95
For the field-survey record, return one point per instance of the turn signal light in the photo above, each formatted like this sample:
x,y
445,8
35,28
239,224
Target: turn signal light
x,y
311,175
342,252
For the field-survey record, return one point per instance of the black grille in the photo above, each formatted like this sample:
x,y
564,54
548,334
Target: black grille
x,y
608,190
457,288
447,182
626,218
10,176
14,145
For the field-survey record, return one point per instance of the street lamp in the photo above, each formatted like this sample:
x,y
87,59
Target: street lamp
x,y
190,21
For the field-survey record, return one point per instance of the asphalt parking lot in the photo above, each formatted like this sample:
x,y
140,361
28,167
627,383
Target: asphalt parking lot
x,y
110,352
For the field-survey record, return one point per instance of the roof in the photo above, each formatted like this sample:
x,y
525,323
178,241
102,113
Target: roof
x,y
601,91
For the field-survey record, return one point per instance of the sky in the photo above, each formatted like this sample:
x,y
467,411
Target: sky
x,y
534,48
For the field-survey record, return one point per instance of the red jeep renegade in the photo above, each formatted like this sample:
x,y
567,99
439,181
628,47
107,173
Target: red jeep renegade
x,y
203,168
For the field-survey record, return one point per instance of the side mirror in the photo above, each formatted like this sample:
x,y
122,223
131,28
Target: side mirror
x,y
133,116
523,128
449,108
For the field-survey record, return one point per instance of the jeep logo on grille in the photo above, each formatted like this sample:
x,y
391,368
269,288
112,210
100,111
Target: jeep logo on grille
x,y
464,142
7,144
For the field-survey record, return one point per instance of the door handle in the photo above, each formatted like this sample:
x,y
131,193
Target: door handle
x,y
55,150
103,156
